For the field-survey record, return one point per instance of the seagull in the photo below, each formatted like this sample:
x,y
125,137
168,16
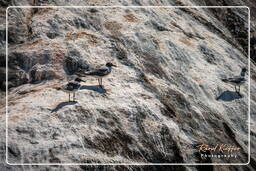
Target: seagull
x,y
99,73
72,87
237,80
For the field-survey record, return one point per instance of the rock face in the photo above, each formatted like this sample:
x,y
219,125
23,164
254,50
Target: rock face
x,y
164,98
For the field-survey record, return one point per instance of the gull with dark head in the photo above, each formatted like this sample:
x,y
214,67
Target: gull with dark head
x,y
99,73
72,87
237,80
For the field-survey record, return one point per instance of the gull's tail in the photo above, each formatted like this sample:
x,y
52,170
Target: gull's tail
x,y
82,74
224,80
58,88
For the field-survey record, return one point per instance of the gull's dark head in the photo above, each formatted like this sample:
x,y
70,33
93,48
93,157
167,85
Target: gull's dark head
x,y
109,64
79,80
244,70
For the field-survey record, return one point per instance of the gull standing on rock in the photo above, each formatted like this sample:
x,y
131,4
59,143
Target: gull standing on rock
x,y
99,73
237,80
72,87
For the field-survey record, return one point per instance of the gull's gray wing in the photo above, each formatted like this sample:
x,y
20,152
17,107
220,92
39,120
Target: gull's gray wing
x,y
71,86
102,71
236,80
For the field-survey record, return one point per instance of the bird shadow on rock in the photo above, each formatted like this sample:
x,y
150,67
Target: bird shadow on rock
x,y
62,104
229,96
93,88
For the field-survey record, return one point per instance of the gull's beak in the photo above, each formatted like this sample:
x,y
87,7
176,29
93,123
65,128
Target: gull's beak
x,y
114,65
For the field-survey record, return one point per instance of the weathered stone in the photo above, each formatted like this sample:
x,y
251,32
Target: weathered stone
x,y
160,101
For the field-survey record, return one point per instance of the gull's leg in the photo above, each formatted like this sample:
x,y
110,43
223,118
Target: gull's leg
x,y
238,92
235,88
68,97
74,96
99,81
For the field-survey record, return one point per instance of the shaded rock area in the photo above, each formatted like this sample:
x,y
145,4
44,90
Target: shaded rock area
x,y
164,98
